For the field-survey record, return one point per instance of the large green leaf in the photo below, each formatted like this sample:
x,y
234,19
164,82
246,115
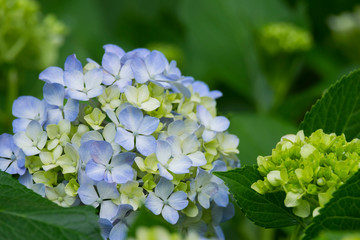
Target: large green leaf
x,y
258,134
341,213
338,110
26,215
267,210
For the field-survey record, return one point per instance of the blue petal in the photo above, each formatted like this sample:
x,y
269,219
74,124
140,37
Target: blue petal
x,y
111,63
54,94
215,94
170,214
164,172
122,83
107,190
54,116
208,135
105,227
155,63
52,75
91,136
123,211
95,170
136,53
131,118
164,188
27,107
140,71
163,151
74,80
124,139
4,164
97,91
87,194
148,125
77,95
107,209
126,158
203,116
71,110
6,141
93,78
146,145
108,79
221,197
114,49
178,200
72,63
20,125
154,204
119,231
122,174
180,165
101,152
220,124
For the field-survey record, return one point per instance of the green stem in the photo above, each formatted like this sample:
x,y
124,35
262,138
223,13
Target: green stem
x,y
296,232
12,91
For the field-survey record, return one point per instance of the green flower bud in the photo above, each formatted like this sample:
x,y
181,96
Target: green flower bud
x,y
72,187
33,164
95,119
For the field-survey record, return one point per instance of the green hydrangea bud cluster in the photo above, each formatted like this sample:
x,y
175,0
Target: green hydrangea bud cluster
x,y
284,37
27,38
308,169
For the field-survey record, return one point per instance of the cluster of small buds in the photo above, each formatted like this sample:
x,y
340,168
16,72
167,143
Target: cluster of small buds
x,y
284,37
27,37
308,169
129,132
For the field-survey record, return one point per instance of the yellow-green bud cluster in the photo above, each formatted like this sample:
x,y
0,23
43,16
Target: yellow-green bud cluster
x,y
308,169
27,38
284,37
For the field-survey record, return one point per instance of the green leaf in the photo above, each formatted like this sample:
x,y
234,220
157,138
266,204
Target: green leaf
x,y
338,111
267,210
258,135
341,213
26,215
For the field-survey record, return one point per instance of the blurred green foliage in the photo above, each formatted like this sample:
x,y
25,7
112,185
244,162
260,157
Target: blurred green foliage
x,y
227,43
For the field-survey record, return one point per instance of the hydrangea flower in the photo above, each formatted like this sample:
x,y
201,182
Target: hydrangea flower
x,y
166,202
100,194
54,95
32,140
115,72
212,124
104,166
137,129
12,158
27,109
142,136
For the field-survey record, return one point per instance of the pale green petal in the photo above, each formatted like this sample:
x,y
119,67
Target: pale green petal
x,y
150,105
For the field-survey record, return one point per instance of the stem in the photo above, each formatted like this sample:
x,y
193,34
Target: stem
x,y
12,91
296,232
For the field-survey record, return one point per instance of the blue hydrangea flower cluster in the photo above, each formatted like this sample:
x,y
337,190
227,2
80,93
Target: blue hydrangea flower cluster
x,y
128,132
